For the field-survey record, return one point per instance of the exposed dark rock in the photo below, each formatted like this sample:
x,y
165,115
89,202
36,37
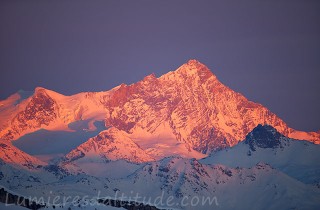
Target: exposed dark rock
x,y
263,136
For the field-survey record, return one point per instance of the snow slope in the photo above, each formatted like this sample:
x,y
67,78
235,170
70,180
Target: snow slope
x,y
109,145
189,182
12,155
299,159
174,183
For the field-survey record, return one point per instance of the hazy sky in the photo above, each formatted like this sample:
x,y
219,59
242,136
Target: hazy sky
x,y
269,50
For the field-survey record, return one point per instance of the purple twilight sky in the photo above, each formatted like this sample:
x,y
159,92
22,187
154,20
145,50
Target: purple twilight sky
x,y
267,50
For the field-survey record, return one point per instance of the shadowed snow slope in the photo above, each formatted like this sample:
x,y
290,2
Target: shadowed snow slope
x,y
299,159
186,183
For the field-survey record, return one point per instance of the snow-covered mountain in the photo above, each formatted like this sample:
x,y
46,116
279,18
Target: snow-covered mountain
x,y
195,105
189,106
189,184
172,183
183,136
299,159
46,109
111,144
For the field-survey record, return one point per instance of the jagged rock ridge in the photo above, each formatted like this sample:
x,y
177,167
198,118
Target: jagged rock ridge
x,y
188,106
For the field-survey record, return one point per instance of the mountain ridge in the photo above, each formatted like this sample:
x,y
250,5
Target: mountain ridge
x,y
188,106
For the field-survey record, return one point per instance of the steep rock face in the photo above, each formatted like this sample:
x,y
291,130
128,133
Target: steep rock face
x,y
190,104
40,110
200,110
111,144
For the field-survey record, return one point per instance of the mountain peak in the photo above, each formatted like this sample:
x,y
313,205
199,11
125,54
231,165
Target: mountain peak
x,y
111,144
42,92
150,78
194,62
264,136
39,89
194,68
